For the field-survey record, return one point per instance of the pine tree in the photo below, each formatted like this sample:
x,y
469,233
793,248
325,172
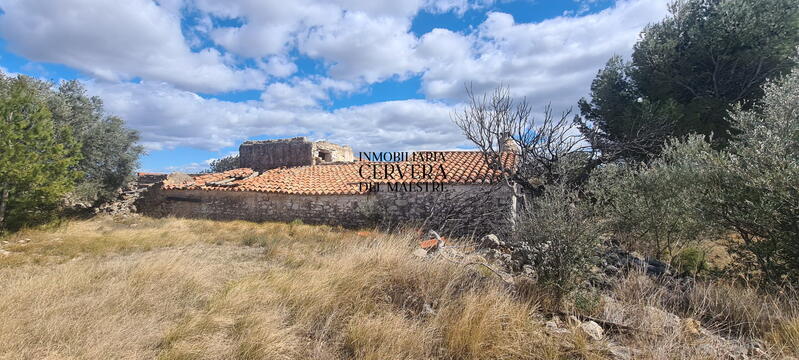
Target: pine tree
x,y
37,159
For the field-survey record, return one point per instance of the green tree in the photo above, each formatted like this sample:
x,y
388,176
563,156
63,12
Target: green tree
x,y
37,158
646,206
110,151
618,120
693,67
226,163
750,188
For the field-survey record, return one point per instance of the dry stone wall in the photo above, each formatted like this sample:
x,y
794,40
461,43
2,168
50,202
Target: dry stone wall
x,y
344,210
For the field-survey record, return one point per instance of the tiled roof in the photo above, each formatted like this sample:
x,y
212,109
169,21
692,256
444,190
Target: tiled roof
x,y
460,167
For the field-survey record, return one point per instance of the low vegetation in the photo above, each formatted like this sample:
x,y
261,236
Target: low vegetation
x,y
179,289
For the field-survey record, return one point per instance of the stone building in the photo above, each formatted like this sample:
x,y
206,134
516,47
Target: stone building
x,y
320,182
298,151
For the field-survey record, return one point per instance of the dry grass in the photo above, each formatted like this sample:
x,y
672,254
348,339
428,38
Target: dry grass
x,y
189,289
741,313
193,289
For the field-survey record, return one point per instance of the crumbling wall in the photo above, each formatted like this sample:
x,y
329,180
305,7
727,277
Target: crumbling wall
x,y
271,154
298,151
345,210
337,153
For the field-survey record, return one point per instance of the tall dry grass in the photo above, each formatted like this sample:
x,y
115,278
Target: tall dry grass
x,y
189,289
194,289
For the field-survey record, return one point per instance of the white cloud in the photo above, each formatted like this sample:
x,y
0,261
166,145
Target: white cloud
x,y
300,93
168,117
278,66
360,42
550,61
364,47
117,40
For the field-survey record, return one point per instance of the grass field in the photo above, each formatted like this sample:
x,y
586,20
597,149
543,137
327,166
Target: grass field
x,y
193,289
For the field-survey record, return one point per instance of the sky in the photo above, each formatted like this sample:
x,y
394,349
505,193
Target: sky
x,y
198,77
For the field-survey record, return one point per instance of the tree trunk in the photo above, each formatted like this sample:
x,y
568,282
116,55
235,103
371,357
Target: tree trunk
x,y
3,202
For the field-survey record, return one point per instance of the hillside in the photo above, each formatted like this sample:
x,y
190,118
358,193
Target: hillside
x,y
179,289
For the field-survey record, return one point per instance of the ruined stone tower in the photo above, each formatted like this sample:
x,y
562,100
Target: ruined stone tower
x,y
298,151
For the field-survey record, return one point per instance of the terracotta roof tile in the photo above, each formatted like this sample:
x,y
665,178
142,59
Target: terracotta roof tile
x,y
460,167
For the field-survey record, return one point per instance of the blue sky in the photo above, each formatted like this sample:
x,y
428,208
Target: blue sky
x,y
197,77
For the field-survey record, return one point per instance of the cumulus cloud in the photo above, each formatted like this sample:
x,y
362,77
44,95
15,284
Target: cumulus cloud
x,y
550,61
364,47
118,40
300,93
168,117
252,44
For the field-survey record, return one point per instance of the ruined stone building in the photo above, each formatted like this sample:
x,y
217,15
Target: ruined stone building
x,y
321,182
298,151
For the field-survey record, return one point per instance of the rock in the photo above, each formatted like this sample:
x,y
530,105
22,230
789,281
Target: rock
x,y
528,270
620,352
491,241
659,321
493,254
657,267
428,310
553,328
592,330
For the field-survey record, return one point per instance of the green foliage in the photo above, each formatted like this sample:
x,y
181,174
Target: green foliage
x,y
690,69
751,188
646,207
561,234
619,120
109,149
37,158
587,301
754,188
224,164
690,260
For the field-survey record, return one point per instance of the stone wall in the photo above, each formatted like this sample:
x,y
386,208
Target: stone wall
x,y
270,154
344,210
298,151
337,153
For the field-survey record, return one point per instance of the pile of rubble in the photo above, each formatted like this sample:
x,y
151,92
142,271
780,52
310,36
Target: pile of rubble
x,y
124,202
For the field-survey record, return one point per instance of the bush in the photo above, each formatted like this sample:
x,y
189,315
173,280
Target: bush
x,y
561,234
749,189
690,260
647,208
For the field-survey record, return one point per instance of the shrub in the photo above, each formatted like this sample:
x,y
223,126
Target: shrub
x,y
690,260
750,188
561,234
647,208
